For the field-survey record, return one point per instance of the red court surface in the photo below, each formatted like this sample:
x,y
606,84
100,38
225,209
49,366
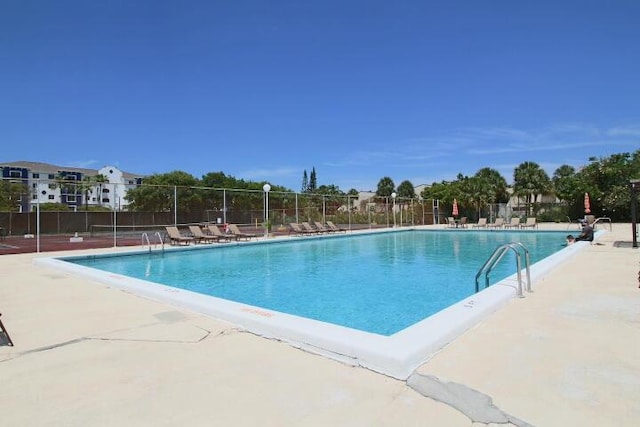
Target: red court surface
x,y
50,243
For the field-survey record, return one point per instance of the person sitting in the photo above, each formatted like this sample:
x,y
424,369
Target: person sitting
x,y
586,235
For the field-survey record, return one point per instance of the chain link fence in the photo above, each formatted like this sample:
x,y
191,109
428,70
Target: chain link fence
x,y
52,208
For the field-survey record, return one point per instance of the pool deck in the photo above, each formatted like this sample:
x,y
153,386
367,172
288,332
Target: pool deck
x,y
87,354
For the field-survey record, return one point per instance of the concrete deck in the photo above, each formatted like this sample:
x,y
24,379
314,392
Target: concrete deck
x,y
87,354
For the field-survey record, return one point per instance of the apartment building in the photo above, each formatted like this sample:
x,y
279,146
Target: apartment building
x,y
54,184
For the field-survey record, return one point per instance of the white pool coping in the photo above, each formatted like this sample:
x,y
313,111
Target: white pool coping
x,y
397,355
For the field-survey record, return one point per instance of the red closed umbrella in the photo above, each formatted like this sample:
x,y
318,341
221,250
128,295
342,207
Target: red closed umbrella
x,y
454,212
587,203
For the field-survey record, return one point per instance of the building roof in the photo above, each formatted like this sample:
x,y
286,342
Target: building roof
x,y
49,168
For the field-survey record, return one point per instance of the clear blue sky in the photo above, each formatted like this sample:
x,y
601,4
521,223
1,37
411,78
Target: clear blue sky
x,y
359,89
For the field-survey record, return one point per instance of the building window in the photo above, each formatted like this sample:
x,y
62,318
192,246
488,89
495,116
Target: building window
x,y
52,186
34,197
34,185
36,176
105,200
15,174
51,197
52,176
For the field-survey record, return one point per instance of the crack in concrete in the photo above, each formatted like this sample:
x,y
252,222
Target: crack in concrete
x,y
477,406
96,338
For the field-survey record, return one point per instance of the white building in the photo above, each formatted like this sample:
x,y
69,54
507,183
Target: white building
x,y
45,180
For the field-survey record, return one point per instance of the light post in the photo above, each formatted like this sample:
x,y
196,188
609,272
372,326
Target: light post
x,y
37,215
266,189
393,209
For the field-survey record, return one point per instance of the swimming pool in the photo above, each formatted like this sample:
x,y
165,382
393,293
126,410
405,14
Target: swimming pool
x,y
383,300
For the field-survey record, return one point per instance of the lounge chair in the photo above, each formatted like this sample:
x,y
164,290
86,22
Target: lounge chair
x,y
219,235
515,223
309,229
199,236
322,228
4,332
451,222
498,223
334,227
176,238
296,229
482,223
239,234
463,222
531,223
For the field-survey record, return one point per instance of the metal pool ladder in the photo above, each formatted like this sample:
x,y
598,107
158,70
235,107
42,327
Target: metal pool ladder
x,y
145,237
497,255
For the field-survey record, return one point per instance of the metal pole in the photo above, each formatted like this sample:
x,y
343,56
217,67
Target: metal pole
x,y
175,205
386,204
634,201
297,219
224,206
266,189
37,215
349,210
115,222
324,213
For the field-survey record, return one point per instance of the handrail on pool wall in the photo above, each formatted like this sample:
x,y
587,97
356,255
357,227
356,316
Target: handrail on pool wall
x,y
497,255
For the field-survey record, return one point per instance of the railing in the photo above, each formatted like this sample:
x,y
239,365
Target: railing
x,y
497,255
145,237
603,219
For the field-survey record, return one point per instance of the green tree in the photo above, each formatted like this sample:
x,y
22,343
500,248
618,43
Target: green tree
x,y
305,183
157,193
566,185
607,182
494,185
406,190
11,195
530,180
313,181
385,187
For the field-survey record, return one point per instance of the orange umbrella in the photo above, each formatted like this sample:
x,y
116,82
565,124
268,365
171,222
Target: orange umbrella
x,y
454,212
587,203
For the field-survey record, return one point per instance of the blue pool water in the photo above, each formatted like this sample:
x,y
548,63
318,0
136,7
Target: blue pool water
x,y
379,283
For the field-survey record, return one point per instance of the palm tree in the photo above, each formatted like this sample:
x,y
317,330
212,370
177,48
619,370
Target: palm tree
x,y
530,180
100,180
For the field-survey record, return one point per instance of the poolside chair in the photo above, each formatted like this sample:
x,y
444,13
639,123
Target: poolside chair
x,y
239,234
515,223
176,238
4,335
296,229
463,222
321,228
451,222
498,223
199,236
335,228
482,223
309,229
531,223
219,235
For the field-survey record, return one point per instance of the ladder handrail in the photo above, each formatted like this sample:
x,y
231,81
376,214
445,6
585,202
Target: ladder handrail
x,y
497,255
145,236
161,239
